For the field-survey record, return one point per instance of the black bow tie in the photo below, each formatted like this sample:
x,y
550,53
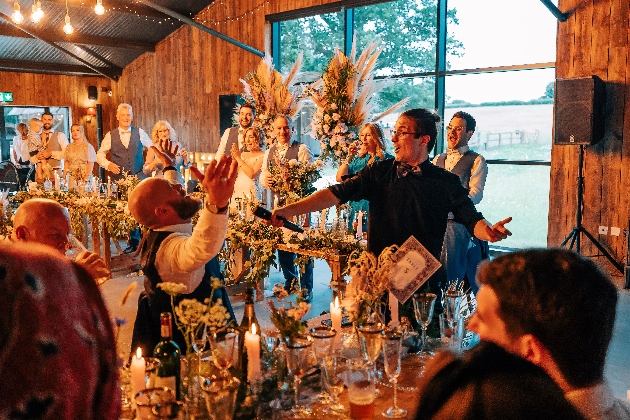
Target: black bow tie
x,y
405,169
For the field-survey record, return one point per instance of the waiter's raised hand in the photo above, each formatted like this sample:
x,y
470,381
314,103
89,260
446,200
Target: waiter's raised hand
x,y
493,233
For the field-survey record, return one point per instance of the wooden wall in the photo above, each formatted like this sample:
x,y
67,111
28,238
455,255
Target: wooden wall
x,y
55,90
181,82
595,41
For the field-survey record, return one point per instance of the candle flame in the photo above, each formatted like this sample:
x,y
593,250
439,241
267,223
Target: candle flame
x,y
139,353
253,328
337,302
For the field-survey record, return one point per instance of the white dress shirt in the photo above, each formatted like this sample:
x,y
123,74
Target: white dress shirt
x,y
304,156
183,255
224,139
478,172
125,138
21,150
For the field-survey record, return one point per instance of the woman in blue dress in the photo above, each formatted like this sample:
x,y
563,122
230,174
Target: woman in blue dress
x,y
370,148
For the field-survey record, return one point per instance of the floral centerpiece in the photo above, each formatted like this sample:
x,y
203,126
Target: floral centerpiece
x,y
294,180
272,94
369,280
126,184
287,316
192,315
345,99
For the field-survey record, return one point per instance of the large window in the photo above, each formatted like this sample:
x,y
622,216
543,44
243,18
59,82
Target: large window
x,y
491,58
13,115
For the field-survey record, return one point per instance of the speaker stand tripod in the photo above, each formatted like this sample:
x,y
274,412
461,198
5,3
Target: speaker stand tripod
x,y
578,229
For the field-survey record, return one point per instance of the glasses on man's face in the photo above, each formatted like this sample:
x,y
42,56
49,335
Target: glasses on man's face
x,y
458,129
401,133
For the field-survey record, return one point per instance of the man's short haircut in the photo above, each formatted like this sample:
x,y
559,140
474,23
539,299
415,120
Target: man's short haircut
x,y
562,299
47,113
471,124
250,106
124,105
426,123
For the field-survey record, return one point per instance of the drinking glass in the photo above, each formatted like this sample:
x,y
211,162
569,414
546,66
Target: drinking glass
x,y
423,304
220,396
224,350
392,345
370,339
148,399
298,352
361,390
334,372
324,338
199,339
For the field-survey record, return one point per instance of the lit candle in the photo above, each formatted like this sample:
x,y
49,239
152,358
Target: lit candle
x,y
322,223
393,310
248,207
360,225
57,182
335,317
137,370
109,186
275,202
252,342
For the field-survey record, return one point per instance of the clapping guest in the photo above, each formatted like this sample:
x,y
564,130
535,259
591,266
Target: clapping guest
x,y
247,184
369,149
162,131
79,155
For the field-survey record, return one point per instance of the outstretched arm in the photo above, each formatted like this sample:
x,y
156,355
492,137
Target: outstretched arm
x,y
315,202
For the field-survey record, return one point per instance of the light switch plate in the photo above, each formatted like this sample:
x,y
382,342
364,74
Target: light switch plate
x,y
615,231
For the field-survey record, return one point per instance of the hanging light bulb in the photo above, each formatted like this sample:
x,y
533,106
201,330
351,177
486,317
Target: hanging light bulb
x,y
67,28
39,10
17,17
99,9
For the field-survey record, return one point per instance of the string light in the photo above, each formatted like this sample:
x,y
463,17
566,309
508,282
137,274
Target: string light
x,y
99,9
230,19
17,17
37,12
67,28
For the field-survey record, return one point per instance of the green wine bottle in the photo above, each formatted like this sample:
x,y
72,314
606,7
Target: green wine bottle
x,y
167,352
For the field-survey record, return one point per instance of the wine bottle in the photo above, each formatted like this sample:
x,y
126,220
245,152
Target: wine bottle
x,y
167,352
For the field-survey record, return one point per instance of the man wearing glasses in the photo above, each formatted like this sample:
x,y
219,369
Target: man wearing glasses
x,y
461,254
408,195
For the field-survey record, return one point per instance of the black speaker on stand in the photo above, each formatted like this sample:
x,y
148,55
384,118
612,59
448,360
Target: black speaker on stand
x,y
579,119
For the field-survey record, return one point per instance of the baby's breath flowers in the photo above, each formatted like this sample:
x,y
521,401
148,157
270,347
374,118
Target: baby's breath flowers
x,y
287,316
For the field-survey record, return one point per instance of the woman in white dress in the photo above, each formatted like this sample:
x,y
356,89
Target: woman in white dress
x,y
153,166
247,186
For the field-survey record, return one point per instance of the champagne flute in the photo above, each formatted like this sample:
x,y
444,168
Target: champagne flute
x,y
334,372
370,338
423,304
323,340
199,338
392,344
223,347
298,352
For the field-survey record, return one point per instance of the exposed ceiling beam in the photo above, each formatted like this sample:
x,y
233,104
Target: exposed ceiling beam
x,y
39,67
106,73
84,39
115,6
199,26
562,17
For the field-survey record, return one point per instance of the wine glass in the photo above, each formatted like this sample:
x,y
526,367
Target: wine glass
x,y
224,346
298,352
199,338
323,337
334,372
370,338
423,304
392,344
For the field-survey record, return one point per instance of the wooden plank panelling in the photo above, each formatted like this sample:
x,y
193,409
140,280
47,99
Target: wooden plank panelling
x,y
594,41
